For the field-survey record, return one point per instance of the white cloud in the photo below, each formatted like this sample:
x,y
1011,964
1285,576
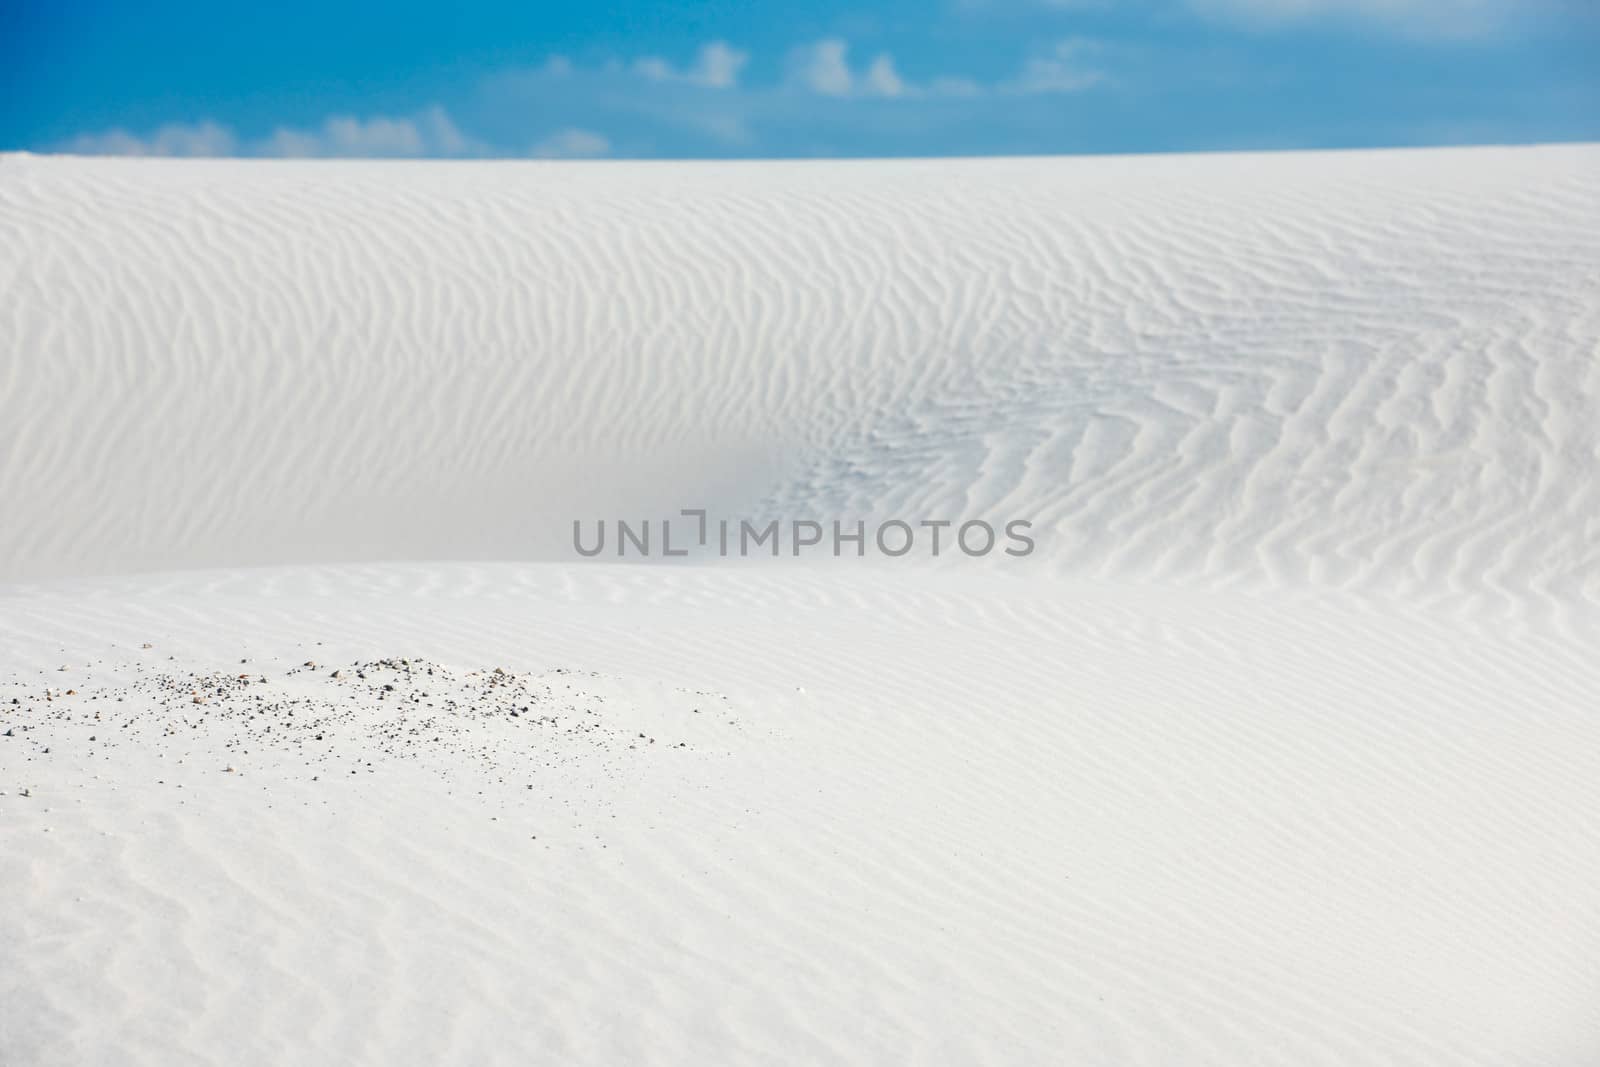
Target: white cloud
x,y
1445,18
1289,9
572,143
823,68
1065,68
716,66
610,94
882,79
173,139
1442,19
655,69
429,133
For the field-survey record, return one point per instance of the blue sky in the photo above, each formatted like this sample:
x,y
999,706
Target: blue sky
x,y
726,79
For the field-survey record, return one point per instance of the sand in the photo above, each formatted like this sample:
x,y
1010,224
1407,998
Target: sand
x,y
1279,748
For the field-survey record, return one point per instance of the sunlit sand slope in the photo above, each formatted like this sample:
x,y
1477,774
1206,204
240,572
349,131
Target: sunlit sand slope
x,y
1368,369
319,745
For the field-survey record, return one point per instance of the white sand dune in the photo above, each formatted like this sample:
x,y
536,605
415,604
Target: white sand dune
x,y
1281,748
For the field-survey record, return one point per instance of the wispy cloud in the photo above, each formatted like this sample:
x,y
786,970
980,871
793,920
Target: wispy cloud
x,y
572,143
651,97
1441,20
823,67
430,132
560,104
1435,18
1068,66
716,66
173,139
